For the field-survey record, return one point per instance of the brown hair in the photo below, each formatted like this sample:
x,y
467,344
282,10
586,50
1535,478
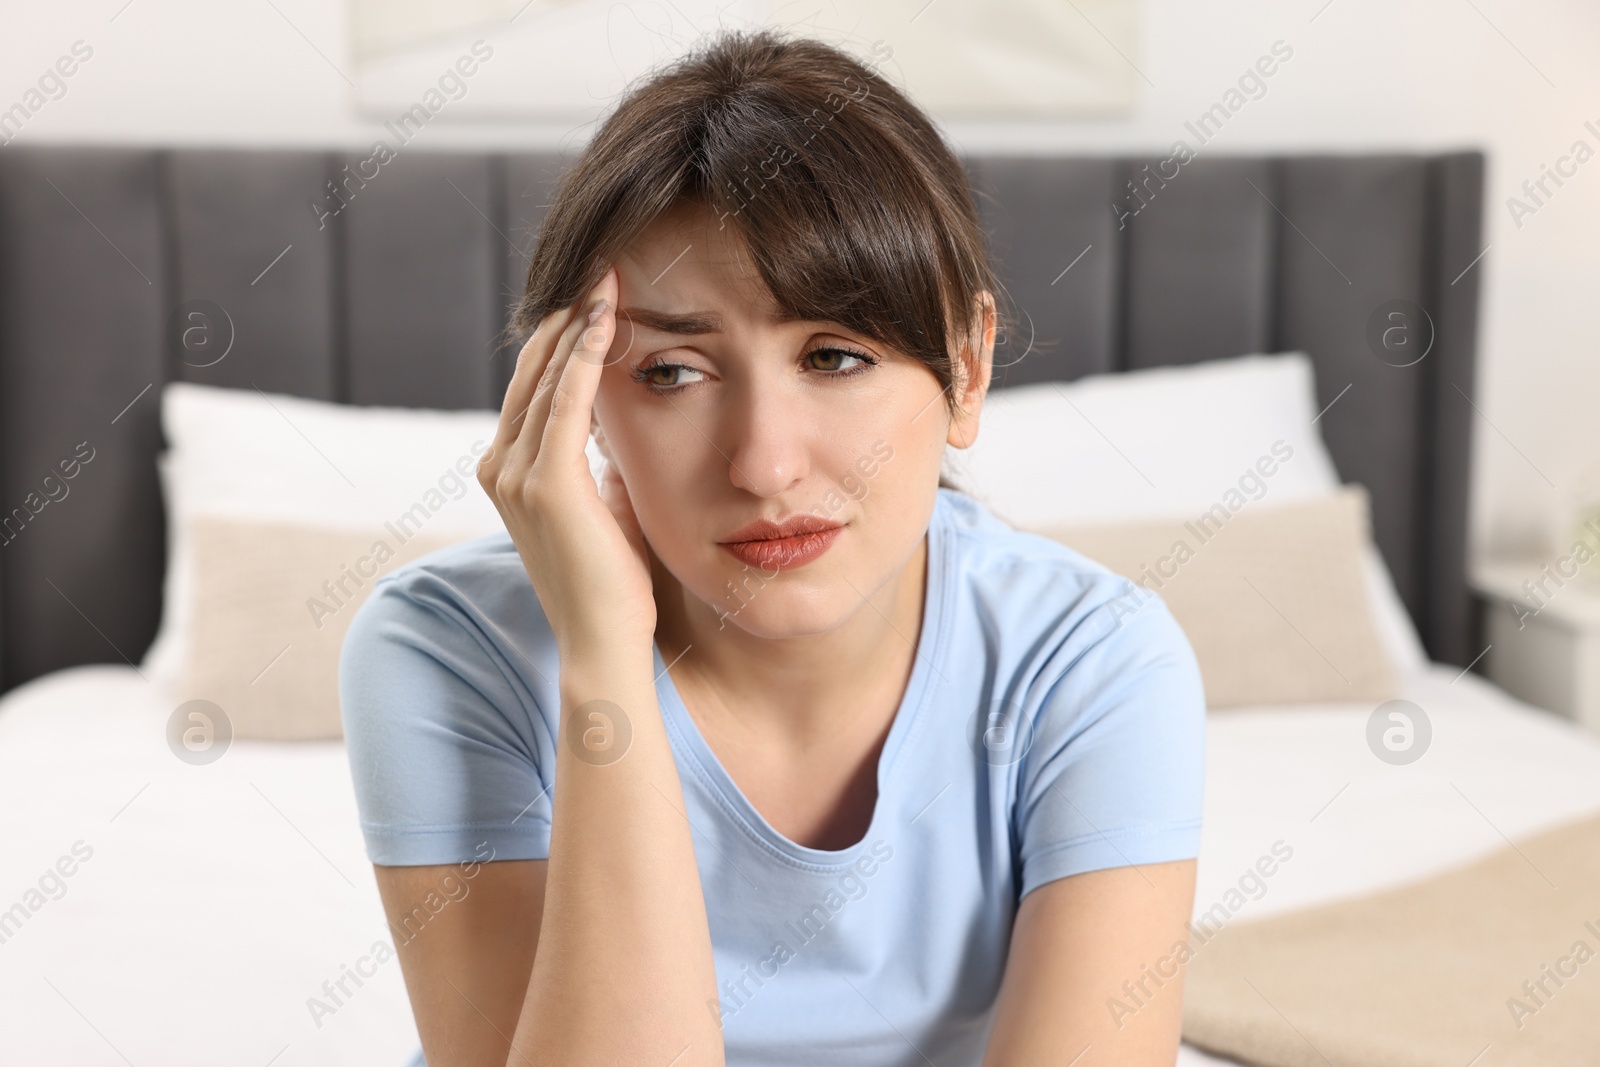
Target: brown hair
x,y
853,207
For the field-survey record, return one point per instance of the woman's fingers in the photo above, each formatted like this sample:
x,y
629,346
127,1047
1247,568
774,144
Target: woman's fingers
x,y
526,448
566,430
531,362
523,402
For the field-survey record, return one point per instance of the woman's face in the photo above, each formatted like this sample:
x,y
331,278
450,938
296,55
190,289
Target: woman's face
x,y
718,415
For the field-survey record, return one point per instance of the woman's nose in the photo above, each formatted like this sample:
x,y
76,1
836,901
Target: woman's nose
x,y
769,443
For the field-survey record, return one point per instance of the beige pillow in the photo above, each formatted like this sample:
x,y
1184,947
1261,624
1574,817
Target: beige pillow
x,y
271,605
1272,598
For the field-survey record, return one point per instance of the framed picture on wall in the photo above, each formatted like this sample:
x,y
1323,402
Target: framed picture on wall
x,y
566,60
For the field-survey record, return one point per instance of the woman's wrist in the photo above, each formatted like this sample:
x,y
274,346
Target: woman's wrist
x,y
594,667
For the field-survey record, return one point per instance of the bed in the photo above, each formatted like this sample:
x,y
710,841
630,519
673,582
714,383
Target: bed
x,y
227,911
215,906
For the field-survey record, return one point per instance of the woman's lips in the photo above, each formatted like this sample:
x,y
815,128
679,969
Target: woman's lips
x,y
783,553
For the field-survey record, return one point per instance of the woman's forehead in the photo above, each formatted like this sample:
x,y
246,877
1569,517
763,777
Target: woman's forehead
x,y
684,267
690,232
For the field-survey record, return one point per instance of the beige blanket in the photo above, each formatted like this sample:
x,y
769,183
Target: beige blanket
x,y
1496,964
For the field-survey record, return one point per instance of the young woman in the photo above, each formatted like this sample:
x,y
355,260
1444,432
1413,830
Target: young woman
x,y
771,748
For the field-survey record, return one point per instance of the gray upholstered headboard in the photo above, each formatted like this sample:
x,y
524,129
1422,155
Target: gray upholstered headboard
x,y
393,290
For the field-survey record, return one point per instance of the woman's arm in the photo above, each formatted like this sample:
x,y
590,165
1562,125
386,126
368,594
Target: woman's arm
x,y
623,971
600,954
1075,943
466,963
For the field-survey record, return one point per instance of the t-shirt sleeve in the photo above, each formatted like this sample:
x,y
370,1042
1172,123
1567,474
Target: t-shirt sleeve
x,y
447,748
1114,770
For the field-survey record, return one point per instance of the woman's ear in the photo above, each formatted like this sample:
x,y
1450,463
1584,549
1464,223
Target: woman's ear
x,y
970,375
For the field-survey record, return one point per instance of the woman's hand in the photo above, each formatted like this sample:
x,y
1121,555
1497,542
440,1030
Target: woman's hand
x,y
581,546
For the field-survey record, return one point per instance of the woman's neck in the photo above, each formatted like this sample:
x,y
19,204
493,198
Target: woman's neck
x,y
799,689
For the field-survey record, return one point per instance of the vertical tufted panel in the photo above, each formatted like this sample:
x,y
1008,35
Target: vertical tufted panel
x,y
1199,260
82,296
423,244
245,239
1357,241
530,181
1054,242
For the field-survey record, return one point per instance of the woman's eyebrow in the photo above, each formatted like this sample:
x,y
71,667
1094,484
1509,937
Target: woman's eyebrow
x,y
689,324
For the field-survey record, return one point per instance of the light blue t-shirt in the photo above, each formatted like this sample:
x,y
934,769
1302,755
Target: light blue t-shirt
x,y
1048,728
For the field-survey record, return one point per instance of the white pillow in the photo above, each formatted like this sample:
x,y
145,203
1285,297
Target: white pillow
x,y
1393,621
1160,443
242,453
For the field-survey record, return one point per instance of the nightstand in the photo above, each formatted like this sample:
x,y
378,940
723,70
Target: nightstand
x,y
1544,643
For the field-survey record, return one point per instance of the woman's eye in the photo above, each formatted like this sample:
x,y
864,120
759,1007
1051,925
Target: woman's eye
x,y
829,360
665,375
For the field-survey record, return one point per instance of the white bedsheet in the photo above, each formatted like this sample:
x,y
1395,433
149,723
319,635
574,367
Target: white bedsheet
x,y
219,898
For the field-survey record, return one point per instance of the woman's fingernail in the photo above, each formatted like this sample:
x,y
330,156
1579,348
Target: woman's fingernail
x,y
599,310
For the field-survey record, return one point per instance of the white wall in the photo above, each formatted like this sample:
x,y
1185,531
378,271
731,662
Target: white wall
x,y
1515,78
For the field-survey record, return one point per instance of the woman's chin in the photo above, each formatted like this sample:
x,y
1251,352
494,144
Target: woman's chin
x,y
774,613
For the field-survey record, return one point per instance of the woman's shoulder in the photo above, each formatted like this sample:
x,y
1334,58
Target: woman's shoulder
x,y
468,598
470,560
1008,562
1035,602
1071,641
465,571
